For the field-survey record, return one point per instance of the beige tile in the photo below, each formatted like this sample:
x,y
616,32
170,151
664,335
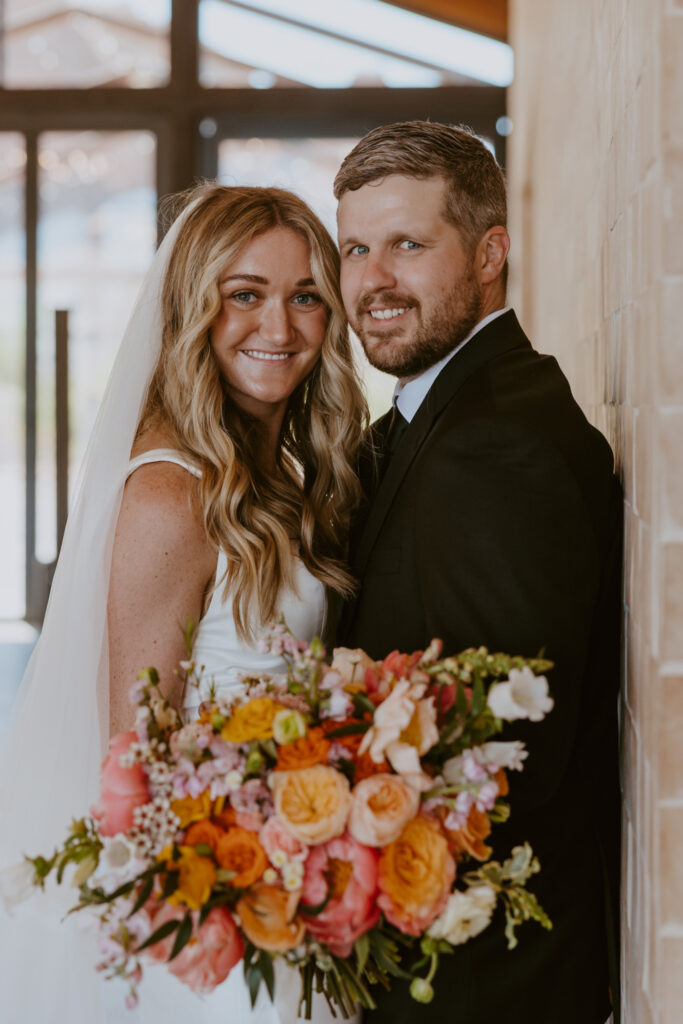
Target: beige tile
x,y
671,622
672,212
645,467
670,737
672,80
670,874
670,348
671,980
670,447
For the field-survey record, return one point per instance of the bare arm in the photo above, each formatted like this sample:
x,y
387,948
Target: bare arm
x,y
161,568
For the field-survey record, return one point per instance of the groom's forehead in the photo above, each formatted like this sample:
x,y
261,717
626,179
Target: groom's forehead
x,y
392,199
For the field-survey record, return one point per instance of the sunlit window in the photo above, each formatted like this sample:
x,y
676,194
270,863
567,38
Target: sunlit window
x,y
85,43
266,43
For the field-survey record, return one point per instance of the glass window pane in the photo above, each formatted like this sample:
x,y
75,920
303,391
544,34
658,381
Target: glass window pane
x,y
268,43
85,43
307,167
96,238
12,363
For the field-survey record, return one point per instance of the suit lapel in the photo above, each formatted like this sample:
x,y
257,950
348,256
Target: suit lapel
x,y
497,337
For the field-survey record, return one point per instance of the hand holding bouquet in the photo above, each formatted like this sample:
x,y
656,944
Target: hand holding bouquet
x,y
335,816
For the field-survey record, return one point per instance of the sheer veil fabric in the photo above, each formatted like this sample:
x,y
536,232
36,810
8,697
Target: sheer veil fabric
x,y
56,736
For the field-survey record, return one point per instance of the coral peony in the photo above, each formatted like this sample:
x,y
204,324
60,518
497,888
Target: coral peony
x,y
239,850
121,789
416,872
267,915
349,871
382,806
209,956
313,803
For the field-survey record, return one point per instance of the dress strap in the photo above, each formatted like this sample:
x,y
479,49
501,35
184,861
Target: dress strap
x,y
162,455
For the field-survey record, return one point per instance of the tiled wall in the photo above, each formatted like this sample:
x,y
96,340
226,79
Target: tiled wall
x,y
596,178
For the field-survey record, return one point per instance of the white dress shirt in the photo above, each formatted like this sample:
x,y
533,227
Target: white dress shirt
x,y
409,395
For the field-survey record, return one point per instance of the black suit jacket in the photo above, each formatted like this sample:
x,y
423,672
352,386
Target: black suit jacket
x,y
497,522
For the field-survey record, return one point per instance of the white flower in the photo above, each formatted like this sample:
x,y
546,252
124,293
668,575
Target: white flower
x,y
270,876
83,871
491,756
166,716
279,858
524,695
466,915
293,875
403,729
234,780
289,726
17,883
119,862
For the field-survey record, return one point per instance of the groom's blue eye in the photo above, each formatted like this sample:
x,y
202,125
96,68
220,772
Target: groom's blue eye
x,y
410,245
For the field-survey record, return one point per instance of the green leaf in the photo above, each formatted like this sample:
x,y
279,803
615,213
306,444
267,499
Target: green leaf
x,y
204,850
362,703
143,895
362,948
478,695
182,938
253,978
352,729
266,966
170,884
161,933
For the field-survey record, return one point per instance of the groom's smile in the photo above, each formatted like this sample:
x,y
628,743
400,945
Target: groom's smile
x,y
407,276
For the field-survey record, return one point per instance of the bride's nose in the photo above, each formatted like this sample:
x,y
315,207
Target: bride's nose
x,y
276,325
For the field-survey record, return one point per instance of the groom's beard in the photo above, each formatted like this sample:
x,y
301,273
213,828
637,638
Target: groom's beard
x,y
405,353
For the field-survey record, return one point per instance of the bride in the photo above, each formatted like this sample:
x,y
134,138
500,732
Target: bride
x,y
217,487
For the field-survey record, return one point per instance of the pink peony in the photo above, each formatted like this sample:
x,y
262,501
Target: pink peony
x,y
208,957
351,870
275,838
121,789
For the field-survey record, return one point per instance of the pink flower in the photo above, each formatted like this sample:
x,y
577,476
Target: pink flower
x,y
351,871
208,957
383,804
121,790
274,838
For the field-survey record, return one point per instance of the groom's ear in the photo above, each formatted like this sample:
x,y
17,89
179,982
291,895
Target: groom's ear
x,y
491,254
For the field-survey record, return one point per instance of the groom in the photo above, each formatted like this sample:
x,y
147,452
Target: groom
x,y
492,517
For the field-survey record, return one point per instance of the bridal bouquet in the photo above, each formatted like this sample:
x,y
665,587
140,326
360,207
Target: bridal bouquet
x,y
336,817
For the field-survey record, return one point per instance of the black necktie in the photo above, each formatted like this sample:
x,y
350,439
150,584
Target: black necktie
x,y
397,429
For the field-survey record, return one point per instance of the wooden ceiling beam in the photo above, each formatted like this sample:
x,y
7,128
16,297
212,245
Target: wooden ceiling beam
x,y
488,17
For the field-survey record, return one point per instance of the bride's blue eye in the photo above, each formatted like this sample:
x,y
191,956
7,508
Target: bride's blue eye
x,y
307,299
243,296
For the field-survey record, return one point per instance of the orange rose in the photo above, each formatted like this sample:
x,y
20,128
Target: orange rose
x,y
251,721
196,876
312,803
503,785
226,818
470,838
365,767
416,872
310,749
192,808
204,832
267,917
239,850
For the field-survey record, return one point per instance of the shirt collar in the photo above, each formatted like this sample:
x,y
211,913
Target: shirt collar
x,y
410,395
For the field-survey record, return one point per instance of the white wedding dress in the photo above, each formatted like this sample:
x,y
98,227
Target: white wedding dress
x,y
224,658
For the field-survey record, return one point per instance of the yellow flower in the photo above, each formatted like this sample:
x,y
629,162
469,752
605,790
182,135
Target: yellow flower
x,y
197,876
192,808
251,721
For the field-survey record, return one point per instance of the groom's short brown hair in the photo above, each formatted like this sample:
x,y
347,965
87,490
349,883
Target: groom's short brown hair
x,y
476,198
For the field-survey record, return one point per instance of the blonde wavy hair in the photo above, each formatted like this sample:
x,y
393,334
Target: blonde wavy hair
x,y
251,515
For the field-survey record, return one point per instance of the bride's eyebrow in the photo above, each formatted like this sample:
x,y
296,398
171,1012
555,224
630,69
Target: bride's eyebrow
x,y
305,282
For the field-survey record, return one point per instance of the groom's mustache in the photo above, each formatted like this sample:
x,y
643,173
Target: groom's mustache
x,y
393,299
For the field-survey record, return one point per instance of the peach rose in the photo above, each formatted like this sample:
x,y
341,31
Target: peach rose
x,y
208,957
196,876
416,872
267,915
239,850
310,749
312,803
350,871
251,721
121,789
381,807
